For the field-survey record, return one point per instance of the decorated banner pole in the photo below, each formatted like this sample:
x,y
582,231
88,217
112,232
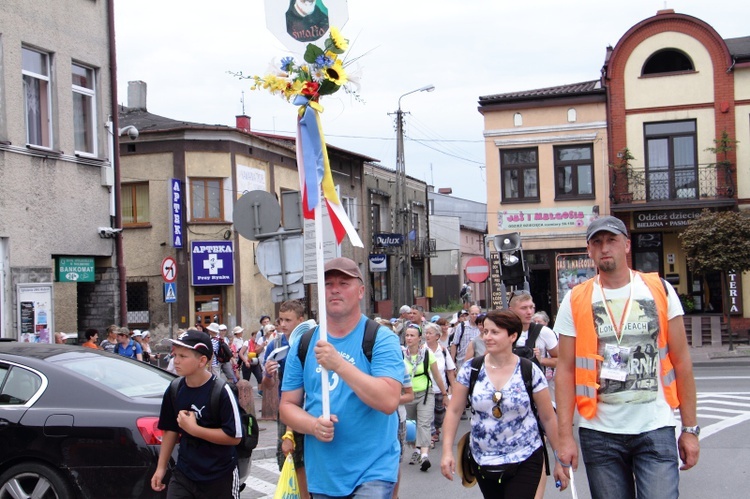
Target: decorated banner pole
x,y
321,73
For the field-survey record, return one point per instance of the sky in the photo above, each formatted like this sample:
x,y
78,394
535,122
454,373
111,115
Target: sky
x,y
185,50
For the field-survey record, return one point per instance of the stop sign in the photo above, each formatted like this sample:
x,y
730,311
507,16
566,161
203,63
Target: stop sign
x,y
477,269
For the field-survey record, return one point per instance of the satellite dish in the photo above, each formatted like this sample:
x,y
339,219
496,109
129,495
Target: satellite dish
x,y
256,212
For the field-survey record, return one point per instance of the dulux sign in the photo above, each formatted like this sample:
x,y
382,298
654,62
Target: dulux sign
x,y
386,239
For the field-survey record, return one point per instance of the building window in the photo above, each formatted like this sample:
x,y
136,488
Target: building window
x,y
671,165
350,207
375,215
135,205
517,119
574,171
414,232
667,61
84,109
206,200
38,101
380,286
520,174
572,115
137,297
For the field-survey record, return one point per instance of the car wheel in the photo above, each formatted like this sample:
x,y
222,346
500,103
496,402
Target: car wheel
x,y
33,480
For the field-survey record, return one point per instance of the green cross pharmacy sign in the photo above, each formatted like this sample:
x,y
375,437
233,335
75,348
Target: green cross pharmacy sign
x,y
75,269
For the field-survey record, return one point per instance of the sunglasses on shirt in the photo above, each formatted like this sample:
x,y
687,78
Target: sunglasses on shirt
x,y
497,397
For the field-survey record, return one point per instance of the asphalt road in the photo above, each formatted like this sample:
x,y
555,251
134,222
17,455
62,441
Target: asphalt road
x,y
723,469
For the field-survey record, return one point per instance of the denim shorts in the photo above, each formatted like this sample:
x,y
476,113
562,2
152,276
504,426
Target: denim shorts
x,y
614,460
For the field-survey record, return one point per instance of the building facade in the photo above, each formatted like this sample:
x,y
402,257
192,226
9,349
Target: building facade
x,y
58,252
399,261
675,87
547,178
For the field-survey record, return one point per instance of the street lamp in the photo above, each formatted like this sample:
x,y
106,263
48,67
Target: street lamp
x,y
402,213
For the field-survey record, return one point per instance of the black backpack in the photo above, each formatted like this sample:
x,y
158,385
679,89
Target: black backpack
x,y
526,370
527,351
225,353
249,423
368,341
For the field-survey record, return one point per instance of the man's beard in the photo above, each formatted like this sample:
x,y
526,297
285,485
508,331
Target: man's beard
x,y
607,266
304,8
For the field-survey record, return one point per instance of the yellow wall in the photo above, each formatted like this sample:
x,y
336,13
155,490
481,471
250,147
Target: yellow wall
x,y
678,89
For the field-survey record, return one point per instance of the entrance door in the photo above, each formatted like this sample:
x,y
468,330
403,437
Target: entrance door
x,y
647,252
209,306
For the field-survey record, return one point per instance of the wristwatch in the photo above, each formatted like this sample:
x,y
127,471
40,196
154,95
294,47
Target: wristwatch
x,y
694,430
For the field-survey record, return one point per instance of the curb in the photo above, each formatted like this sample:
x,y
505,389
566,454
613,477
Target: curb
x,y
722,363
264,452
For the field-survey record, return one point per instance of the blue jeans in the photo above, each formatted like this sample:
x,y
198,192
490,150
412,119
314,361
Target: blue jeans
x,y
376,489
613,460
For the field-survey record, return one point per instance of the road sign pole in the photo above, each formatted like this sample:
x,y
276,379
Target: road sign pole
x,y
171,331
282,257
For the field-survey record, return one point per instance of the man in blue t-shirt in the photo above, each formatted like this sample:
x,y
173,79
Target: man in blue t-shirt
x,y
355,453
126,346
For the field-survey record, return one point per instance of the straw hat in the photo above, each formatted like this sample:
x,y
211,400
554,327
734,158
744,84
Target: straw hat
x,y
463,462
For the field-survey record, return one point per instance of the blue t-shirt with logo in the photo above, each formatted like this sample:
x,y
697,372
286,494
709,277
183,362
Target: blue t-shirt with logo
x,y
131,350
365,445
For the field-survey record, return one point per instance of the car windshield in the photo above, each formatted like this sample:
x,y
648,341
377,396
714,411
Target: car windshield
x,y
132,379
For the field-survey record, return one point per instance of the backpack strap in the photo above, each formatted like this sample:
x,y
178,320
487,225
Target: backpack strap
x,y
534,331
214,400
527,375
426,369
476,365
368,341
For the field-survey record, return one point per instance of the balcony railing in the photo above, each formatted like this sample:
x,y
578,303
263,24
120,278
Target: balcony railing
x,y
636,185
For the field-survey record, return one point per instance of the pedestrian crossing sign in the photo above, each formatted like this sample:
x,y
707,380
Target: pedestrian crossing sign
x,y
170,292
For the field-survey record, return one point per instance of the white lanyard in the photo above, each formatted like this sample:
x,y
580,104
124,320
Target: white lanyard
x,y
625,312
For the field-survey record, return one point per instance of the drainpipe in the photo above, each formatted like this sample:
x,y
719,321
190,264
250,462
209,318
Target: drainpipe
x,y
116,163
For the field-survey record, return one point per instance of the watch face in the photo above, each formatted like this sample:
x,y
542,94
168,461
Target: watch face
x,y
695,430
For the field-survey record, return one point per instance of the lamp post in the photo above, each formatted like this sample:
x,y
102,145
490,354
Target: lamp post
x,y
402,211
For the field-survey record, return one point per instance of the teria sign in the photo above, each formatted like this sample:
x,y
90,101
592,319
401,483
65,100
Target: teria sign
x,y
212,263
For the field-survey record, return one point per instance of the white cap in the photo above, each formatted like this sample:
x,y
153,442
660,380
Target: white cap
x,y
213,327
222,327
136,332
146,333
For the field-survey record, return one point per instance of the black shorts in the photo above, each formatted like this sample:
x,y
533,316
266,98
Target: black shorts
x,y
226,487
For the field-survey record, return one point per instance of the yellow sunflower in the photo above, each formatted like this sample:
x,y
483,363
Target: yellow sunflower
x,y
339,41
336,73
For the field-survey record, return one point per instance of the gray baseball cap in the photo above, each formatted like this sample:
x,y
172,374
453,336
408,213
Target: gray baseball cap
x,y
607,223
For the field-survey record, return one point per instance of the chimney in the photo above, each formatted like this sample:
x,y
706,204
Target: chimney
x,y
445,190
137,95
243,122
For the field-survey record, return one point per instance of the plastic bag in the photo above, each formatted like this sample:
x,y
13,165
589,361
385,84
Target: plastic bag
x,y
287,487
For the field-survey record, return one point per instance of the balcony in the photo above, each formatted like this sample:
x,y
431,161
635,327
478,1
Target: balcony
x,y
669,186
423,247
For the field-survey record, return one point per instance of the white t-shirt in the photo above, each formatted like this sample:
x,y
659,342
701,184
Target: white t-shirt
x,y
444,363
637,404
547,340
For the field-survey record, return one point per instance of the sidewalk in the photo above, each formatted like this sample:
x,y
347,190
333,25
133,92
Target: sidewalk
x,y
268,434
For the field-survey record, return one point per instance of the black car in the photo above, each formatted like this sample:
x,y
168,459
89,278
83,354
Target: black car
x,y
78,422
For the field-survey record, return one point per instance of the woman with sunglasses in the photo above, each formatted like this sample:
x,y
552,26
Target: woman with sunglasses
x,y
505,445
421,362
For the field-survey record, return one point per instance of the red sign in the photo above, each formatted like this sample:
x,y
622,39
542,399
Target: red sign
x,y
169,269
477,269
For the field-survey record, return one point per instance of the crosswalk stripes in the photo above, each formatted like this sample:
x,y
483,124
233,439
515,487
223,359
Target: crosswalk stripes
x,y
261,484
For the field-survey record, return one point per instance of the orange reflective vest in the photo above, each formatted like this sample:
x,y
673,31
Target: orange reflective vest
x,y
587,344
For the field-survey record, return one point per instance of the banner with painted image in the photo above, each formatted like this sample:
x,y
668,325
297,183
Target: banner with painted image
x,y
572,269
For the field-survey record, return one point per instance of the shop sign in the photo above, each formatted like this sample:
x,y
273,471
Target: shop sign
x,y
75,269
663,219
378,262
212,263
175,196
386,240
572,269
735,294
547,218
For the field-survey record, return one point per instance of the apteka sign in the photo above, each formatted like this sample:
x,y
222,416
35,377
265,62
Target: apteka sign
x,y
212,263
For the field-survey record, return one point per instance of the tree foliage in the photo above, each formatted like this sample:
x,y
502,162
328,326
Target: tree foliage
x,y
718,242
